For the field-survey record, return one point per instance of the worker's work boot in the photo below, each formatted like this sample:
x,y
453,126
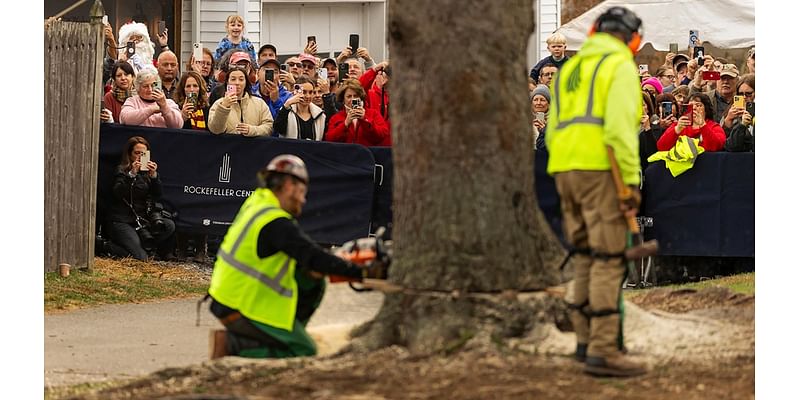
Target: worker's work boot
x,y
615,365
580,352
217,343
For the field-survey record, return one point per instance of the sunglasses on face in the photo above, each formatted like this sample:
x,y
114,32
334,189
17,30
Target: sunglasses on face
x,y
747,94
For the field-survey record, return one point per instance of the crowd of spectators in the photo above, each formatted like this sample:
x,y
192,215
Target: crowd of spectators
x,y
235,90
722,107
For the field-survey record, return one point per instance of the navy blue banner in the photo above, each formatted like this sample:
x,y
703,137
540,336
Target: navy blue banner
x,y
207,177
707,211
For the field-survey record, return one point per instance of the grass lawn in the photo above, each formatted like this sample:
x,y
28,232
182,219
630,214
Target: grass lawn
x,y
741,283
121,281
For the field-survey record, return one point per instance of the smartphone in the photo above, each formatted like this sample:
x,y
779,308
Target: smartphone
x,y
666,109
688,111
355,103
673,48
231,89
643,69
344,68
738,101
297,88
354,42
198,52
105,19
157,86
694,37
711,75
698,53
269,74
311,39
192,98
162,26
323,73
144,160
130,49
751,109
284,67
539,116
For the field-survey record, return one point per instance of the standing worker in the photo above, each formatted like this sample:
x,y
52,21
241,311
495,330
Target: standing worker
x,y
262,287
597,102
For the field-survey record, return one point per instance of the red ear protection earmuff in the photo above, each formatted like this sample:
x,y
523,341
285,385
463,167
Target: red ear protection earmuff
x,y
633,44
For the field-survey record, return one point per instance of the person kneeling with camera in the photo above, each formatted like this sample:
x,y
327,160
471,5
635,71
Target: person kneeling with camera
x,y
138,223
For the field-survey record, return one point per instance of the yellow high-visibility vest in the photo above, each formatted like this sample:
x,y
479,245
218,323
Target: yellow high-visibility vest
x,y
262,290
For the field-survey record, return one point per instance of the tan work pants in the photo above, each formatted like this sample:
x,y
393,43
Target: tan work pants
x,y
592,219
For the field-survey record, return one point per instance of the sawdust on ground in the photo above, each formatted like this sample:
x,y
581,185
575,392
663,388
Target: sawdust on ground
x,y
697,344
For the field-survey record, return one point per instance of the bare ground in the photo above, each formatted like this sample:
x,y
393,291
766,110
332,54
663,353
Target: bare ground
x,y
698,345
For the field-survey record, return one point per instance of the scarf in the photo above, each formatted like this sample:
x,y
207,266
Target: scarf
x,y
121,94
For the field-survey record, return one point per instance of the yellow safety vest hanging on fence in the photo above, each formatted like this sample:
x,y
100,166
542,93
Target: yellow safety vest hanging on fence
x,y
681,157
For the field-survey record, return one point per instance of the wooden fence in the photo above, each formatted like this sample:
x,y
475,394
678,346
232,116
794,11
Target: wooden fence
x,y
73,56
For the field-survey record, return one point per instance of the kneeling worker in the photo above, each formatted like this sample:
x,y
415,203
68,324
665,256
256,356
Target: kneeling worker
x,y
261,288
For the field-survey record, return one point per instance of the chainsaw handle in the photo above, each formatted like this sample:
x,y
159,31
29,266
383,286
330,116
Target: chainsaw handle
x,y
624,193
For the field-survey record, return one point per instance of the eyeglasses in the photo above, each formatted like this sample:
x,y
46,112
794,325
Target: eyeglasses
x,y
308,66
292,64
670,77
747,94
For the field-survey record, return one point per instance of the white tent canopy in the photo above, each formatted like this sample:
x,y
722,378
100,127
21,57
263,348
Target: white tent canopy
x,y
727,24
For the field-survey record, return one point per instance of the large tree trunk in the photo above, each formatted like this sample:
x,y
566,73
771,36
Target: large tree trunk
x,y
465,213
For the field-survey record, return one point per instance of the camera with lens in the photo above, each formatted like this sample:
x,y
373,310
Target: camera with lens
x,y
145,236
156,217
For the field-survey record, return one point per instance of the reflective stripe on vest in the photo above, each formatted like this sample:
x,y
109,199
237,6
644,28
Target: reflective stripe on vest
x,y
588,118
272,283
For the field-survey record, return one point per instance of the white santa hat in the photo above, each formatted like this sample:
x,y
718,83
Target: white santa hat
x,y
132,27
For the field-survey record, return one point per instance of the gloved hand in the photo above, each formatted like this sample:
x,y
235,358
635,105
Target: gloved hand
x,y
630,206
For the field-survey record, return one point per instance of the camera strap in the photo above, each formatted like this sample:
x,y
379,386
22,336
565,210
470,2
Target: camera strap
x,y
130,204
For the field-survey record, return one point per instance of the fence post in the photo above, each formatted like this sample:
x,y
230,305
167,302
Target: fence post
x,y
73,97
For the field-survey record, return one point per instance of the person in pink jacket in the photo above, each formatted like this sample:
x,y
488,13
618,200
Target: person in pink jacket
x,y
700,125
150,107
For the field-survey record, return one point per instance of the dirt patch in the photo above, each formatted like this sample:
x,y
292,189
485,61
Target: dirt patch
x,y
684,300
707,352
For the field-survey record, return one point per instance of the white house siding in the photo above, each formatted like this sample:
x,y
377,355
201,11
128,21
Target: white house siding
x,y
548,19
211,26
287,24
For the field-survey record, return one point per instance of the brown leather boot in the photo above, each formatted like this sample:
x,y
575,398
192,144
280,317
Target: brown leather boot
x,y
615,365
216,343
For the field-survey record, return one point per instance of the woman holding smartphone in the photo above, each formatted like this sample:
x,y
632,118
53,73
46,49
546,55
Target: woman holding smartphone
x,y
697,124
238,112
355,123
137,186
299,118
192,97
150,107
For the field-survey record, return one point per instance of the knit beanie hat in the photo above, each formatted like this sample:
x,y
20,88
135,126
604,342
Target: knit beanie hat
x,y
541,90
655,83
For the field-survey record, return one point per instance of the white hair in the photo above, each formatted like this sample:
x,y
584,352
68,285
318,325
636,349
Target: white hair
x,y
144,75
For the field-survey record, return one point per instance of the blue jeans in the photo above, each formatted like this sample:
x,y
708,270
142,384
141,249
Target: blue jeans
x,y
125,235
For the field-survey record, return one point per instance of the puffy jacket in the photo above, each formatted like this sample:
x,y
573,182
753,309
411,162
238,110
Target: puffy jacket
x,y
372,130
711,136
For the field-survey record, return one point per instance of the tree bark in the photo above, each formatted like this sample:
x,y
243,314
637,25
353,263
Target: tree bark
x,y
465,214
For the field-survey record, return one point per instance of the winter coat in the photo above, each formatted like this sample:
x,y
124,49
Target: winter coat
x,y
136,191
288,122
250,110
372,130
137,111
711,136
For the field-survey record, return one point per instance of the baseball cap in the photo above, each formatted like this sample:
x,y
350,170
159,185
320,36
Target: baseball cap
x,y
329,60
271,60
307,57
730,70
679,58
239,56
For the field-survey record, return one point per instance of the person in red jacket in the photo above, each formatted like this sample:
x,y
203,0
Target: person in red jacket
x,y
701,126
355,123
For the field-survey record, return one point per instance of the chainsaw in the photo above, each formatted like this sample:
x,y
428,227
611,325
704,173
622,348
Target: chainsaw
x,y
373,253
